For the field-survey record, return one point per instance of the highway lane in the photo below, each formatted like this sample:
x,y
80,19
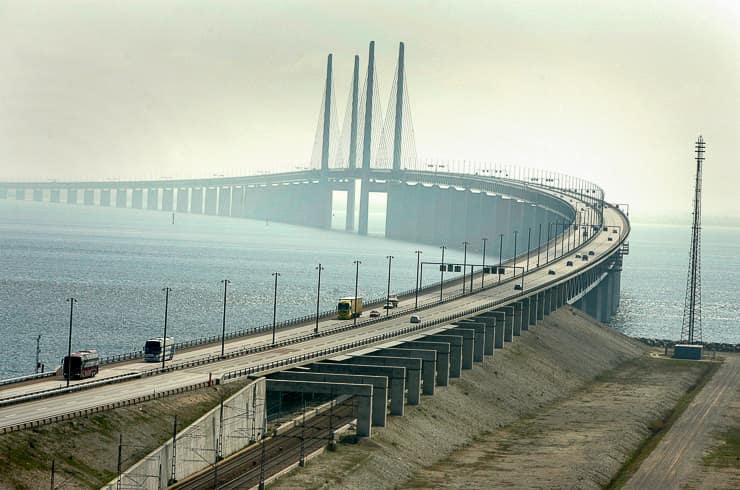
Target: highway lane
x,y
213,351
139,387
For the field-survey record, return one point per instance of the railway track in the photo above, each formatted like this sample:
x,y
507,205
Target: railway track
x,y
247,468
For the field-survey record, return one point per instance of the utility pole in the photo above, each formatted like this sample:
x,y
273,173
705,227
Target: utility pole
x,y
500,255
416,299
38,353
357,276
68,367
226,282
163,350
483,273
465,263
516,234
529,245
442,272
274,308
388,293
318,298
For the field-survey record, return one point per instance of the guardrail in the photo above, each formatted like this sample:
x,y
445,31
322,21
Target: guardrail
x,y
27,377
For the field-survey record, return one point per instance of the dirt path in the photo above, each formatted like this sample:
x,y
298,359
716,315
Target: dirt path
x,y
678,455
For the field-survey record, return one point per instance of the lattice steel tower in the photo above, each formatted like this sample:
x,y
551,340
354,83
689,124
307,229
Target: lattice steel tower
x,y
691,327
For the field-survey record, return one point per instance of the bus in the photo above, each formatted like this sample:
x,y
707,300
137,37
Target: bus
x,y
155,348
82,364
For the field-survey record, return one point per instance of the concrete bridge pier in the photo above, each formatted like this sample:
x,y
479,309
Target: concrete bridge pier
x,y
489,319
541,298
468,347
379,384
152,199
500,316
38,195
183,199
105,197
413,371
71,196
428,363
480,336
121,198
363,393
349,220
211,205
525,314
443,357
3,193
509,323
396,377
137,199
224,201
237,202
517,325
455,343
20,194
55,196
168,200
88,197
196,200
533,310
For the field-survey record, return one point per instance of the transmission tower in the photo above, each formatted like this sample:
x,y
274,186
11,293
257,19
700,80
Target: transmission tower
x,y
691,328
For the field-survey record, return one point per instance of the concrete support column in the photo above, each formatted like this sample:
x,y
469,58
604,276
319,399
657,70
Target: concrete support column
x,y
152,199
121,198
137,199
196,200
548,301
224,201
362,393
500,327
525,313
490,321
455,343
349,220
480,335
509,325
3,193
604,297
428,363
71,196
211,207
38,195
105,197
533,310
88,197
541,298
468,335
183,200
396,378
237,202
379,384
168,200
443,357
517,324
413,371
54,196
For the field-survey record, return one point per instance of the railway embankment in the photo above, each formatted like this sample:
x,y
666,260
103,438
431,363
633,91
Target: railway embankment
x,y
566,406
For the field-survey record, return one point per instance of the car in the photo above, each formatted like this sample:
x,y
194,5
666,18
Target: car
x,y
615,230
415,319
610,239
591,252
585,258
569,263
578,256
517,287
374,314
551,272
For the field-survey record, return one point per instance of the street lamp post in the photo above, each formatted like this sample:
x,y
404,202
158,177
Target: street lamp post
x,y
164,334
72,302
483,273
318,297
547,246
442,272
465,262
516,233
388,292
539,244
500,255
529,243
357,276
274,308
416,299
226,282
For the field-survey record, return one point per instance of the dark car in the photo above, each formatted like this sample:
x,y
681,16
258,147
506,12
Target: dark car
x,y
591,252
551,272
374,314
569,263
517,287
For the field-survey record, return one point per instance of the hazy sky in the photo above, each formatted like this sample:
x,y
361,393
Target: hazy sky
x,y
613,91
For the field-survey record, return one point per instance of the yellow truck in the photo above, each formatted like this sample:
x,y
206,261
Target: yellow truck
x,y
349,307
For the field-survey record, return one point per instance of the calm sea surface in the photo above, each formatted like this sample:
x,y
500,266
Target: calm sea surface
x,y
116,262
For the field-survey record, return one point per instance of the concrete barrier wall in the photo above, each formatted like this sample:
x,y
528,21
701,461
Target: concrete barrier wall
x,y
243,418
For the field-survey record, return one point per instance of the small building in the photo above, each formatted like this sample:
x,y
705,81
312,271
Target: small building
x,y
687,351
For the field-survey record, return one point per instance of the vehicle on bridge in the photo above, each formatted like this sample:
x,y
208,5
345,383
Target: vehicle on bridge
x,y
415,319
391,302
82,364
374,314
349,307
156,348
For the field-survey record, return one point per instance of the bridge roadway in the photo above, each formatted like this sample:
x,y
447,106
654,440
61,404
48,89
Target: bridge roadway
x,y
110,393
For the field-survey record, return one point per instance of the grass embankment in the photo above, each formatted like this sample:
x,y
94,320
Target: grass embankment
x,y
661,425
85,449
